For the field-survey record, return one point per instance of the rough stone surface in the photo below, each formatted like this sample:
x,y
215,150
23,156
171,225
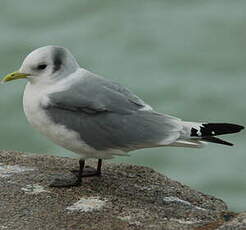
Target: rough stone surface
x,y
124,197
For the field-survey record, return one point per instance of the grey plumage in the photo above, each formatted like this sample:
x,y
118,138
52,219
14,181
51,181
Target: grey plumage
x,y
108,116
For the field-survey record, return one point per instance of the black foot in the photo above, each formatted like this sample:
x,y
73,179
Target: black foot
x,y
75,179
65,180
87,172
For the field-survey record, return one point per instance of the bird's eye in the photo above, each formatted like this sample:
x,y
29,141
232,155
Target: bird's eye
x,y
41,67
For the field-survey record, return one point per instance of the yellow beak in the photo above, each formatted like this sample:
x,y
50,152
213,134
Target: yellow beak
x,y
14,76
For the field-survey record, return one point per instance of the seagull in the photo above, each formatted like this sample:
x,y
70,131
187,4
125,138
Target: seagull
x,y
96,117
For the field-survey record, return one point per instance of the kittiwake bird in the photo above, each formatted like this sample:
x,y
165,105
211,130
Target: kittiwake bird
x,y
97,118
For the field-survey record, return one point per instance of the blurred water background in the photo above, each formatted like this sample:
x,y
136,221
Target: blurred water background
x,y
185,58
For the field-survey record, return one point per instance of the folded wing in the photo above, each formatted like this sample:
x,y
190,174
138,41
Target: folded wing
x,y
108,116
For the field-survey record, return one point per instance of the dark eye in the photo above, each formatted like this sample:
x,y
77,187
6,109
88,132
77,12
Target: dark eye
x,y
41,67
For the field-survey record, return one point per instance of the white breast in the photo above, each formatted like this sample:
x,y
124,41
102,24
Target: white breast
x,y
33,98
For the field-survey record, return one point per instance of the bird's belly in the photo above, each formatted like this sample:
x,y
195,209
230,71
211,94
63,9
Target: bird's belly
x,y
59,134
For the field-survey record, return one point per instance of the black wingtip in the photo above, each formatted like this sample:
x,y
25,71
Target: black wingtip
x,y
241,127
236,127
214,129
217,141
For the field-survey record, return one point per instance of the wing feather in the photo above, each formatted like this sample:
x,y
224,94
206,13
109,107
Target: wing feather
x,y
108,116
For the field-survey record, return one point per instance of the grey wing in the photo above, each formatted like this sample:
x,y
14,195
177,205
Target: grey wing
x,y
98,94
108,116
127,93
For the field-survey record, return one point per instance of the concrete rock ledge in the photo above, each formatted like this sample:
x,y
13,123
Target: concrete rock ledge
x,y
125,197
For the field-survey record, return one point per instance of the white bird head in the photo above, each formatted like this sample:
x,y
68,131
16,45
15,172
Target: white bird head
x,y
46,64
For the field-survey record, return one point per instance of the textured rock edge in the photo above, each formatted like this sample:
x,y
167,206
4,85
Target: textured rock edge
x,y
125,197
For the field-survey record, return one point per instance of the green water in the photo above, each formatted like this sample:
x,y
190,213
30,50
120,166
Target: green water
x,y
185,58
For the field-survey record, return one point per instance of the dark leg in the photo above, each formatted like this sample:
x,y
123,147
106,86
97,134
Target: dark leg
x,y
99,166
88,171
81,167
61,181
80,175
